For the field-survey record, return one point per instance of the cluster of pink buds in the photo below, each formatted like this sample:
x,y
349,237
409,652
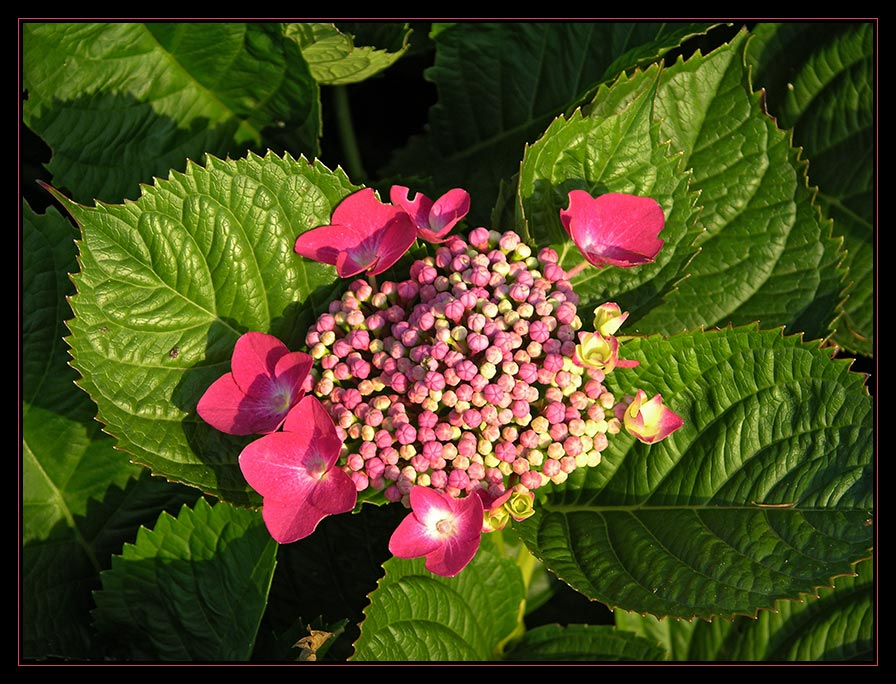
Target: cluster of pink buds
x,y
464,376
458,391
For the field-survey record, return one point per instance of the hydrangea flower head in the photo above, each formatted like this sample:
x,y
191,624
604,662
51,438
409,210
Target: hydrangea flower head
x,y
615,229
434,220
458,391
295,471
365,236
650,420
444,529
265,382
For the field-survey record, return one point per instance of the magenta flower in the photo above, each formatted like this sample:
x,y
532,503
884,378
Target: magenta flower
x,y
265,382
615,229
444,529
365,236
650,421
434,220
295,472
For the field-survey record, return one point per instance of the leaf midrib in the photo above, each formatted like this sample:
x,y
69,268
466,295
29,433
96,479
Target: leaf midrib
x,y
61,504
197,84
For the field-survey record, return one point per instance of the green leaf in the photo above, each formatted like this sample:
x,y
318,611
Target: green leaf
x,y
333,57
766,254
837,625
48,257
61,563
617,148
501,84
80,499
67,468
169,282
819,80
415,615
583,643
329,574
765,492
192,589
120,103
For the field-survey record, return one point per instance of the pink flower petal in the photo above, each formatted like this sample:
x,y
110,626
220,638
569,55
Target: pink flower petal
x,y
334,493
226,407
255,356
448,210
287,522
310,421
411,539
325,243
356,260
453,557
614,229
418,208
364,213
276,466
396,239
433,220
291,371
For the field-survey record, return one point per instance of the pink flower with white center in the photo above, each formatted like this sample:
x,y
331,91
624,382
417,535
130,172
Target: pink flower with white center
x,y
434,220
295,472
650,421
615,229
265,382
445,530
365,236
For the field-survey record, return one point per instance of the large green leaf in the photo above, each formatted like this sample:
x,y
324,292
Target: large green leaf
x,y
415,615
120,103
333,57
80,500
766,254
819,80
48,257
583,643
501,84
192,589
169,282
764,493
617,148
836,625
61,560
67,468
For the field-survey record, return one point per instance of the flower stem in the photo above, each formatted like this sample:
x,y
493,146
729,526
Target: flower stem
x,y
347,134
575,270
526,563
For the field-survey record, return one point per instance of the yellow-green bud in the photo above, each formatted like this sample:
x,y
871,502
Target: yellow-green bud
x,y
520,505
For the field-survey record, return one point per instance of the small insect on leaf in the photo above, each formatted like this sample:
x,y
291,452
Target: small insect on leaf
x,y
312,643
